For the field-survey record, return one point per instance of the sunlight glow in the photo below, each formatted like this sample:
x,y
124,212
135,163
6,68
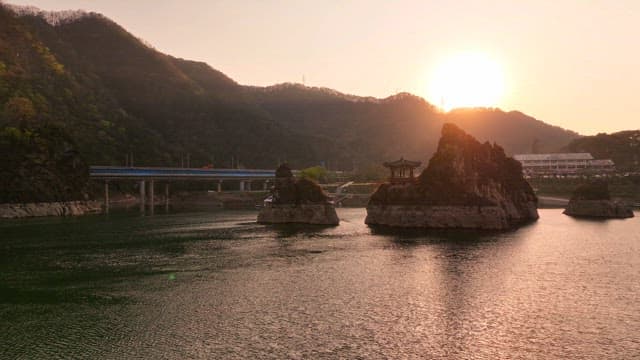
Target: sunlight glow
x,y
466,80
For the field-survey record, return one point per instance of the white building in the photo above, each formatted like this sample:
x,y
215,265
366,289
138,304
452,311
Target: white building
x,y
563,163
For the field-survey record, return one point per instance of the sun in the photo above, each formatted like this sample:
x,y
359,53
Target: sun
x,y
466,80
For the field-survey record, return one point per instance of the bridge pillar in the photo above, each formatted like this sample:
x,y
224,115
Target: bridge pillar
x,y
151,195
241,185
265,186
166,196
106,196
142,195
220,186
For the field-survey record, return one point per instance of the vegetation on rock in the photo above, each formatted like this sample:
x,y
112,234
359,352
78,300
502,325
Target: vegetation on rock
x,y
595,190
289,190
315,173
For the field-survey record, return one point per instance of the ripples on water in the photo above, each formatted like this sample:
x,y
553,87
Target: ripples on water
x,y
217,285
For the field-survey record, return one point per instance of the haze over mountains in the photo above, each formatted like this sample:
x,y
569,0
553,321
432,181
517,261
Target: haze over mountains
x,y
113,95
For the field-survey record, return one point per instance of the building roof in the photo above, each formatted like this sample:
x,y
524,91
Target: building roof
x,y
402,163
558,156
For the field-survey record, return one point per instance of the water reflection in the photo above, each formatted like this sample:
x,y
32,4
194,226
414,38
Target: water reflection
x,y
205,285
284,231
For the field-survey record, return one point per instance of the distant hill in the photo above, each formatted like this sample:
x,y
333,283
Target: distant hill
x,y
82,75
516,132
622,147
370,130
400,125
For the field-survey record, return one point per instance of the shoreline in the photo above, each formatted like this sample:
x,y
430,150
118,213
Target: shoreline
x,y
182,200
43,209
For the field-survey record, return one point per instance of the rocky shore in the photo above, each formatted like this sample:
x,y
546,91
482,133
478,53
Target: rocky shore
x,y
440,217
593,200
68,208
467,185
297,201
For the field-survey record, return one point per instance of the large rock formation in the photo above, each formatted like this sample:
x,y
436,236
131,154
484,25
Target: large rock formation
x,y
466,185
297,201
593,200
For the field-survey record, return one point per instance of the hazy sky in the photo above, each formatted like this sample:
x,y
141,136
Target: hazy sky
x,y
575,63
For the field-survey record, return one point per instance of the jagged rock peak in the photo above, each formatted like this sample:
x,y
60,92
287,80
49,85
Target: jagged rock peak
x,y
466,184
463,169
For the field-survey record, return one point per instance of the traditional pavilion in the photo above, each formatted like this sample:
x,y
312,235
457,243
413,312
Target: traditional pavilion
x,y
402,170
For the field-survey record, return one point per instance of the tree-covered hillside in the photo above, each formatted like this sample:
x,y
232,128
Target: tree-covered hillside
x,y
83,78
516,132
622,147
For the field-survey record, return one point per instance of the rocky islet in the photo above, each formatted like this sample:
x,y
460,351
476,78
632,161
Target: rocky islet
x,y
467,184
593,200
297,201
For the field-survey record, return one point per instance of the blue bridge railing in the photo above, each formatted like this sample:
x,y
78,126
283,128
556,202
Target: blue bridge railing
x,y
115,172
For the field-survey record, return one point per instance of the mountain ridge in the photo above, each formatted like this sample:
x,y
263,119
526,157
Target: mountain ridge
x,y
117,97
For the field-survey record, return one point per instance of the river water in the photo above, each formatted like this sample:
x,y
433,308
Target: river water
x,y
217,285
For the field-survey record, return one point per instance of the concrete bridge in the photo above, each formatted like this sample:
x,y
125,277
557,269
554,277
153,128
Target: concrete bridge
x,y
245,177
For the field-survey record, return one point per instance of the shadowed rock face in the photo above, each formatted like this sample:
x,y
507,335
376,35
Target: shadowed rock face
x,y
467,184
595,190
593,200
289,190
297,201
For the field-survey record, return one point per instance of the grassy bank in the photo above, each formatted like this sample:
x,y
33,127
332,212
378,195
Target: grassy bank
x,y
627,188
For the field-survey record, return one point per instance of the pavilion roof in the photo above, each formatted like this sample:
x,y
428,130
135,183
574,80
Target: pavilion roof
x,y
402,163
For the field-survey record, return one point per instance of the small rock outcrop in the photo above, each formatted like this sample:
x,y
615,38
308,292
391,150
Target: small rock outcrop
x,y
593,200
297,201
466,185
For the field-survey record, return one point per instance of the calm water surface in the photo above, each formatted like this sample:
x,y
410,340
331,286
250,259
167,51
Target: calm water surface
x,y
217,285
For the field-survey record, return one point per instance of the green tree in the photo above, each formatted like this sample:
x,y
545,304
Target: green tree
x,y
19,110
317,173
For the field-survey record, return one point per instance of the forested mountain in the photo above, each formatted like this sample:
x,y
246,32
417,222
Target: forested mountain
x,y
516,132
622,147
372,130
106,94
402,124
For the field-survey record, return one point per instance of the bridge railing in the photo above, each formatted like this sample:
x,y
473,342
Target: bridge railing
x,y
111,172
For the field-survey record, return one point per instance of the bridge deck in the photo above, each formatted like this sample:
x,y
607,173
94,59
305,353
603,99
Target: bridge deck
x,y
116,172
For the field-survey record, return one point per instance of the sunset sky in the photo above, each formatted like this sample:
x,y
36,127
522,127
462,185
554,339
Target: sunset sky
x,y
574,64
